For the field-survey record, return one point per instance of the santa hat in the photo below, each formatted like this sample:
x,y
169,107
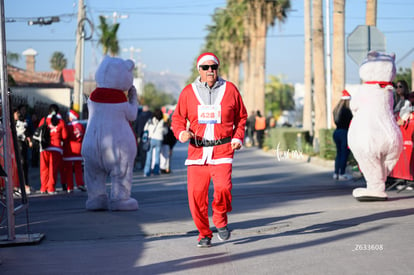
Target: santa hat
x,y
73,114
345,95
207,56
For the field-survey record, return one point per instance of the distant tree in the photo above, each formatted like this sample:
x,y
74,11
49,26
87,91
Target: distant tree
x,y
155,98
58,61
279,96
12,57
404,74
108,39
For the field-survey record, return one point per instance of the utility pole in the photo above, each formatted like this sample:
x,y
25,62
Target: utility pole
x,y
328,64
116,15
308,97
131,51
80,40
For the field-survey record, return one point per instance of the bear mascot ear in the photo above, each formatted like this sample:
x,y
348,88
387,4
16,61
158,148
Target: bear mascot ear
x,y
130,65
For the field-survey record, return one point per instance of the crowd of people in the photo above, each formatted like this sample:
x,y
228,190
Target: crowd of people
x,y
256,127
155,141
403,109
62,158
60,154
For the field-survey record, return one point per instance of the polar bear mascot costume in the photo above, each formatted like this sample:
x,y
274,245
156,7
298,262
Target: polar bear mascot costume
x,y
109,145
374,136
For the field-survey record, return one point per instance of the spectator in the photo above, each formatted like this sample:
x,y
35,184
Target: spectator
x,y
167,148
407,109
72,158
24,142
35,154
250,123
51,156
156,132
401,95
342,116
260,127
140,122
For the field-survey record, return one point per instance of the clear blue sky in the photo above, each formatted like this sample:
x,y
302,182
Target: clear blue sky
x,y
170,33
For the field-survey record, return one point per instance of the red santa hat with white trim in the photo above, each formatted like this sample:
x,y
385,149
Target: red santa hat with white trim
x,y
345,95
73,114
207,56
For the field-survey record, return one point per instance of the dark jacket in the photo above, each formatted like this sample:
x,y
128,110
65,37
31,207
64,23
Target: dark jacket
x,y
342,115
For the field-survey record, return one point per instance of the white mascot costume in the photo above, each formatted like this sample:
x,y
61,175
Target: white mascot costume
x,y
374,136
109,145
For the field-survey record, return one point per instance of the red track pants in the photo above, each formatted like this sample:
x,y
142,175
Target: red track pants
x,y
199,177
50,162
68,168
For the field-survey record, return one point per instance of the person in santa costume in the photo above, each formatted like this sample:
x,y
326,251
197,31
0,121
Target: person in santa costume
x,y
72,158
109,145
51,156
211,115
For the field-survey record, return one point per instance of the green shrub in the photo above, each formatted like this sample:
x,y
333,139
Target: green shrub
x,y
327,147
286,138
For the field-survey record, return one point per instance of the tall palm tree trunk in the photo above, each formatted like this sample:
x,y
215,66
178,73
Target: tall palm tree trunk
x,y
319,69
371,13
308,99
338,52
261,67
246,76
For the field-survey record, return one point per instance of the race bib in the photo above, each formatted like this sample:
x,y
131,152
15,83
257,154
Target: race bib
x,y
209,114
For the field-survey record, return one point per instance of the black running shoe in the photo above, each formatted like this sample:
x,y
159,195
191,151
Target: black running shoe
x,y
204,242
223,233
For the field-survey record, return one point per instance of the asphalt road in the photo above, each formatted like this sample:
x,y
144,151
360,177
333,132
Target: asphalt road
x,y
289,217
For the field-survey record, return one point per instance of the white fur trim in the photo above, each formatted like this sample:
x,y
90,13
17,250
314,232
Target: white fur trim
x,y
206,58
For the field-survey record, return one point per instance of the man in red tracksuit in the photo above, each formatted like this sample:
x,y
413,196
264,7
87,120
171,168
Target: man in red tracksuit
x,y
217,117
72,158
51,157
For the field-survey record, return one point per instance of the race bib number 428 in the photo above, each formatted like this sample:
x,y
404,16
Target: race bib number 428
x,y
209,114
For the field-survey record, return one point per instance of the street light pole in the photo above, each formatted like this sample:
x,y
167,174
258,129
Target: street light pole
x,y
328,65
78,83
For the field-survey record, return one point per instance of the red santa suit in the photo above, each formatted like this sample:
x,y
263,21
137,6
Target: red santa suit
x,y
51,157
210,154
72,158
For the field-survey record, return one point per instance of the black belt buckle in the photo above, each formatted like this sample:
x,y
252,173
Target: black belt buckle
x,y
209,143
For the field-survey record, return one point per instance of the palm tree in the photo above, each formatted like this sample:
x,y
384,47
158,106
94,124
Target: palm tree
x,y
259,16
308,98
338,52
279,96
237,36
108,39
58,61
12,57
226,39
319,69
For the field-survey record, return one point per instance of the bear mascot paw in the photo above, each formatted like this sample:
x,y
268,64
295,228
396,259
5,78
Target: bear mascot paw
x,y
374,136
109,145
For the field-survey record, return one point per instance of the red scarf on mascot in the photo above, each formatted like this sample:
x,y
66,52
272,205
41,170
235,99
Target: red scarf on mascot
x,y
106,95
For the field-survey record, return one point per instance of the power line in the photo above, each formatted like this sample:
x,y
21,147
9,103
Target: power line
x,y
176,38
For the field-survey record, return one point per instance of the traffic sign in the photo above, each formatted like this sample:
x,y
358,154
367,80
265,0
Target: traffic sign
x,y
364,39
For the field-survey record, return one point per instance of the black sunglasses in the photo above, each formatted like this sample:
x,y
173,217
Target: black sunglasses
x,y
399,86
205,67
